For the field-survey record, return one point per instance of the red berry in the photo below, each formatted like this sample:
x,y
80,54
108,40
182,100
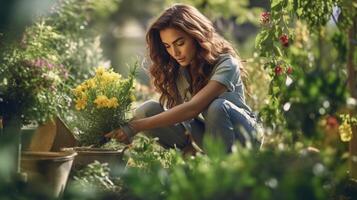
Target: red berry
x,y
289,70
284,40
278,70
265,17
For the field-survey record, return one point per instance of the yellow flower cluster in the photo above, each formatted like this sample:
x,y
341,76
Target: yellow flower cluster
x,y
103,101
81,103
105,77
88,84
82,98
345,131
97,86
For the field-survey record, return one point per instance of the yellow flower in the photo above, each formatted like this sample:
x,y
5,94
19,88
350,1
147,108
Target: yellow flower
x,y
105,78
345,131
90,83
109,77
78,90
114,76
101,101
113,102
100,71
82,102
132,97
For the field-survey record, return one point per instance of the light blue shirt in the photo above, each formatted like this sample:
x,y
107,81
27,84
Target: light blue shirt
x,y
226,71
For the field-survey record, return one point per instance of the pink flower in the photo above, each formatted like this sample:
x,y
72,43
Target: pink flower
x,y
65,73
284,40
38,63
50,65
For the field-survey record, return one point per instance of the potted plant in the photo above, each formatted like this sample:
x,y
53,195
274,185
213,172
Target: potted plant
x,y
101,105
30,83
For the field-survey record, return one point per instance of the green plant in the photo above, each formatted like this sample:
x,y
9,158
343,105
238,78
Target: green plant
x,y
145,153
79,23
293,42
95,176
291,173
31,75
345,128
101,104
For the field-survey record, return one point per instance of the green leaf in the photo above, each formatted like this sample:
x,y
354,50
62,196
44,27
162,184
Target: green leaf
x,y
275,90
261,37
299,11
277,50
275,4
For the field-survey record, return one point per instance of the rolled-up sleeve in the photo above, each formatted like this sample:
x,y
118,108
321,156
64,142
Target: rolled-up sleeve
x,y
226,73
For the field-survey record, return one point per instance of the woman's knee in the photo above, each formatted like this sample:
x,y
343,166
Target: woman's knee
x,y
216,109
147,109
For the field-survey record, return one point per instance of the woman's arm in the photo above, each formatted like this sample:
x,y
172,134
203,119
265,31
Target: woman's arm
x,y
182,112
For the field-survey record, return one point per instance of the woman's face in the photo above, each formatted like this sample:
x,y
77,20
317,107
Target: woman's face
x,y
179,45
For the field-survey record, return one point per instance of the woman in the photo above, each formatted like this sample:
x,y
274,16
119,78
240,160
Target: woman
x,y
197,72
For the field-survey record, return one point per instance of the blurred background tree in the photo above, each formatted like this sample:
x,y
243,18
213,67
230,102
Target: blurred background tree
x,y
309,46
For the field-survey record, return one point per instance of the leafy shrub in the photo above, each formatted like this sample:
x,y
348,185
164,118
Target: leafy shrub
x,y
31,75
244,174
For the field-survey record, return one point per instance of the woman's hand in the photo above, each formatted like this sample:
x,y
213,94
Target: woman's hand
x,y
123,134
119,135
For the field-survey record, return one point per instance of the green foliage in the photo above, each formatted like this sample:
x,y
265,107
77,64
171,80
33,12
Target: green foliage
x,y
315,13
309,98
146,154
95,177
31,75
147,165
80,46
215,9
63,39
294,40
348,12
244,174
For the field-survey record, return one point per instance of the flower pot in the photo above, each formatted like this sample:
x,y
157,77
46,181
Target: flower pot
x,y
87,155
11,138
47,170
51,136
27,132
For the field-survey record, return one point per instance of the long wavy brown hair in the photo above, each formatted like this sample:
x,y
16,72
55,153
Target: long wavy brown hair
x,y
164,69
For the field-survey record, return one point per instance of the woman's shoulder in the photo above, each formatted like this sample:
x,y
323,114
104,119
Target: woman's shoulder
x,y
226,60
226,71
